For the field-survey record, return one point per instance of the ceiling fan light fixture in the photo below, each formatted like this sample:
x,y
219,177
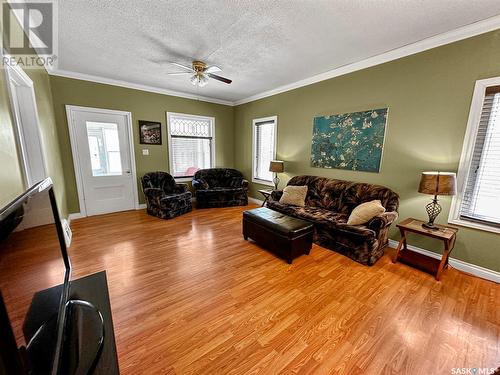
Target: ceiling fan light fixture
x,y
201,73
203,80
199,80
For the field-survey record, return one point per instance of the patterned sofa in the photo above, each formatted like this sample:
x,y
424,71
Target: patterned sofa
x,y
164,198
220,187
328,205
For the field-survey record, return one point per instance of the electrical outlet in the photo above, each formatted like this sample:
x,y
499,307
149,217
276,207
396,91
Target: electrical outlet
x,y
145,151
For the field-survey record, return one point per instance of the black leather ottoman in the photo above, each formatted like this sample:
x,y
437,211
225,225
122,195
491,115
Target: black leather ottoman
x,y
286,236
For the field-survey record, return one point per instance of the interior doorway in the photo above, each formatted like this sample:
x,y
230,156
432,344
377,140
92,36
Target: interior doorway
x,y
26,125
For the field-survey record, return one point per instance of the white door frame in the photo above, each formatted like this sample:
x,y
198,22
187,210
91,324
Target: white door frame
x,y
27,124
70,111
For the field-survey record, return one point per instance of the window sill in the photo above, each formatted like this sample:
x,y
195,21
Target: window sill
x,y
470,224
183,179
262,182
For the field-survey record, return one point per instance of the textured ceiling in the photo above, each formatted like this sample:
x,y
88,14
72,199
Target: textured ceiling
x,y
259,44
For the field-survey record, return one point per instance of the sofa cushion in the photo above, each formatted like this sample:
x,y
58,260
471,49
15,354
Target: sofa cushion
x,y
364,212
325,218
159,180
219,177
220,189
314,214
294,195
343,196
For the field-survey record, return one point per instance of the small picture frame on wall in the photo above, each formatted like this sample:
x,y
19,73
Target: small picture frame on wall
x,y
149,132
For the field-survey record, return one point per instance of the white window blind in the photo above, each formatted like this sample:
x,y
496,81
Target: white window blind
x,y
481,195
264,148
191,144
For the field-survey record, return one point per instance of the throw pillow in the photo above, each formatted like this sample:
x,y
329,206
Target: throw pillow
x,y
294,195
364,212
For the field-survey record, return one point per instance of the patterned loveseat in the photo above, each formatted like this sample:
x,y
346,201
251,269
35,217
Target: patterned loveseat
x,y
220,187
164,198
328,205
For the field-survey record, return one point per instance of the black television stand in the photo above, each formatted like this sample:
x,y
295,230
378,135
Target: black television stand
x,y
89,345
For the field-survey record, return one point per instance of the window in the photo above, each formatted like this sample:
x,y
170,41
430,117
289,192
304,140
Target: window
x,y
191,144
104,146
264,149
478,200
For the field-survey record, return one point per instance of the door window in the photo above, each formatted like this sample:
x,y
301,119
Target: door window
x,y
104,146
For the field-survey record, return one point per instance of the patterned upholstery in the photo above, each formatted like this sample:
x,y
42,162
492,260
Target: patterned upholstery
x,y
220,187
328,205
165,198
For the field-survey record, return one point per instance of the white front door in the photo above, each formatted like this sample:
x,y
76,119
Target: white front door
x,y
101,141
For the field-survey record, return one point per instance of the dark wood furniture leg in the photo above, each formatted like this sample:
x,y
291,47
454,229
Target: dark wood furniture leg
x,y
448,246
265,200
402,244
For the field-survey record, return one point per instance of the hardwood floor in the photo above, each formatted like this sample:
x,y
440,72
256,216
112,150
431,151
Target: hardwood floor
x,y
189,295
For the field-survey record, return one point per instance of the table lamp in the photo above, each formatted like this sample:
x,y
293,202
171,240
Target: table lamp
x,y
436,183
276,166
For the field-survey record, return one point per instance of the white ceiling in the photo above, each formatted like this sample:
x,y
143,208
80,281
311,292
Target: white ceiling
x,y
259,44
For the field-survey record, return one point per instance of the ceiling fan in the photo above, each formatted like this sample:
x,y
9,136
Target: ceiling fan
x,y
200,73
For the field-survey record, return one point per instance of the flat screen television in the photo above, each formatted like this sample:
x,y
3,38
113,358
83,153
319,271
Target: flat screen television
x,y
39,322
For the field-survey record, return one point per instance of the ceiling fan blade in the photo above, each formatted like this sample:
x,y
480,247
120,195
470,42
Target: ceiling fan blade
x,y
182,66
219,78
178,73
212,69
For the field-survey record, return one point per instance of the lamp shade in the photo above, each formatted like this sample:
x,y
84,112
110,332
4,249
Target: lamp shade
x,y
438,183
276,166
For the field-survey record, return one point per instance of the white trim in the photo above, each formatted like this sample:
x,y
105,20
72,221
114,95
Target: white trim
x,y
183,179
169,137
70,109
141,206
254,133
74,216
27,124
68,234
458,264
135,86
448,37
466,155
255,200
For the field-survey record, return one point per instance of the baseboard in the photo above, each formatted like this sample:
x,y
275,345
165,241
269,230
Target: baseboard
x,y
255,200
460,265
74,216
141,206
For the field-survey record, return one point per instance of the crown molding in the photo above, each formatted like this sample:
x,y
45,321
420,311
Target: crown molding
x,y
473,29
135,86
448,37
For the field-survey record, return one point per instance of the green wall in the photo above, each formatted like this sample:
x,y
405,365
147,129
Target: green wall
x,y
11,173
428,95
143,106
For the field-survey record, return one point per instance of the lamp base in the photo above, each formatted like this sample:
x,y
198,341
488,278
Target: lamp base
x,y
276,181
433,209
429,226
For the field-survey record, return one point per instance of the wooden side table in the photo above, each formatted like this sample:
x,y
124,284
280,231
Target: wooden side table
x,y
434,266
266,193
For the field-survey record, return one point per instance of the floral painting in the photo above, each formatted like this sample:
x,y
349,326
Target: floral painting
x,y
351,141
